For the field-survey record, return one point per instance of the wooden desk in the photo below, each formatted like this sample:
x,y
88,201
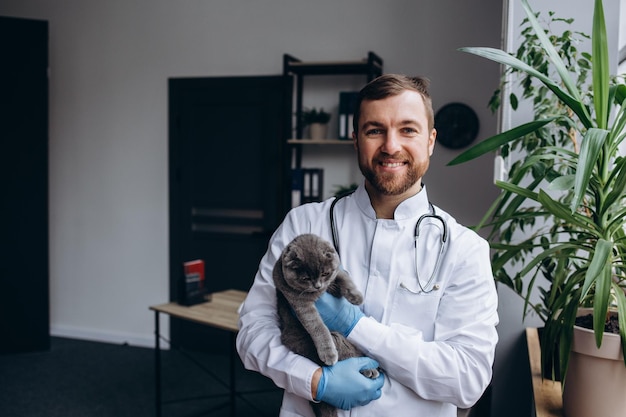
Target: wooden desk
x,y
221,312
546,393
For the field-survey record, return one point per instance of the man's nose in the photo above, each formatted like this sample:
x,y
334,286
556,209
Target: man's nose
x,y
391,143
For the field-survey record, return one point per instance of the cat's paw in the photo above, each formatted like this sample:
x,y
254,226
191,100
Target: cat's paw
x,y
328,356
354,297
371,373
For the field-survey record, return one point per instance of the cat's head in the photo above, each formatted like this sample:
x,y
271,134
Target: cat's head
x,y
310,264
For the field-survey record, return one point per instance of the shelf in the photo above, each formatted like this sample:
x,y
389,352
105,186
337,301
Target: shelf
x,y
319,141
372,65
296,71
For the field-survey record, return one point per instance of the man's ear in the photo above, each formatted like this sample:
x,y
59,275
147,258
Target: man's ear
x,y
354,140
431,141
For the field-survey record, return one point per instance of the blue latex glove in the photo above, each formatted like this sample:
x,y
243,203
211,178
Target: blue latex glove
x,y
343,386
338,314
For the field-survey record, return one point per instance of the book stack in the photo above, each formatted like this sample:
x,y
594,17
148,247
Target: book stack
x,y
347,105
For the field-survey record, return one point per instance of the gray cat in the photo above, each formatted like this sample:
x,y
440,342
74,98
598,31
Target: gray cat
x,y
307,267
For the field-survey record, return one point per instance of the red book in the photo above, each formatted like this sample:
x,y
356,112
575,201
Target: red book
x,y
193,291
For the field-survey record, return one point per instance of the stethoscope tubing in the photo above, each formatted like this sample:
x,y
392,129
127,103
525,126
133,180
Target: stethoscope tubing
x,y
431,215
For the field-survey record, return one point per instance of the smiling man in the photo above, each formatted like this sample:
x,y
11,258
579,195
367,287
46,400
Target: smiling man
x,y
429,312
394,139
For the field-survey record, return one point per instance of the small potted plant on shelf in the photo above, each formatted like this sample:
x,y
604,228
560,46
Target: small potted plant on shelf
x,y
561,216
317,122
344,189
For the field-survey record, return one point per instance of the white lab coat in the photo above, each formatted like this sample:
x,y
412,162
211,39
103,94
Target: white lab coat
x,y
436,349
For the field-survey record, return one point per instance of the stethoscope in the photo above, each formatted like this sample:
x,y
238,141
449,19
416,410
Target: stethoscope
x,y
442,246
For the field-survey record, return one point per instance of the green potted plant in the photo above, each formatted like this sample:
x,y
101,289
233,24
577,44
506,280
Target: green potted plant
x,y
344,189
561,215
317,121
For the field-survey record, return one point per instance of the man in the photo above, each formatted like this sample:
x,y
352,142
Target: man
x,y
428,318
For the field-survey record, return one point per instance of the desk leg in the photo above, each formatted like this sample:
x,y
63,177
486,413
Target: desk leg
x,y
233,386
157,364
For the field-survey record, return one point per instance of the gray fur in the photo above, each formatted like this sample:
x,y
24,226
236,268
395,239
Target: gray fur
x,y
307,267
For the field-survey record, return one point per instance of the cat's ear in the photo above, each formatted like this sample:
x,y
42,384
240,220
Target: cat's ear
x,y
293,263
329,253
291,259
288,252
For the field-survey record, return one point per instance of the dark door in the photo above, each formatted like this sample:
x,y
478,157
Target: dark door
x,y
227,178
24,305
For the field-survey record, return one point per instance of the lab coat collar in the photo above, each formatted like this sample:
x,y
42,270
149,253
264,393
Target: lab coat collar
x,y
411,207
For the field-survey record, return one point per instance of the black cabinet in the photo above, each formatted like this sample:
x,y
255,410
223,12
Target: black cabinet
x,y
24,288
227,140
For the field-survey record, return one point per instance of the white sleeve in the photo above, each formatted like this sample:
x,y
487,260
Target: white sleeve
x,y
456,366
258,340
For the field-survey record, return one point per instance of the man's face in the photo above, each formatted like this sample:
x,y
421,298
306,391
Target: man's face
x,y
394,143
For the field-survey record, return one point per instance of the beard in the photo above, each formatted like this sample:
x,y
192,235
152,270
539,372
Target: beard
x,y
394,184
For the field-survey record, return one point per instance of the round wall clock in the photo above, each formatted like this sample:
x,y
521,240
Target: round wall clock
x,y
457,125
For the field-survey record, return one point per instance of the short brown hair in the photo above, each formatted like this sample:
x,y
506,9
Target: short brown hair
x,y
388,85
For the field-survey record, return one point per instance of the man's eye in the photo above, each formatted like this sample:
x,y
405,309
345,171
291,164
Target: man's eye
x,y
409,131
373,132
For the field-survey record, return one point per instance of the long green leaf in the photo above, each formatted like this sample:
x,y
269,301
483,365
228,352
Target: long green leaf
x,y
562,183
508,209
560,211
503,58
619,186
599,273
565,331
553,55
621,314
590,150
620,93
618,131
495,142
485,219
601,301
600,68
598,263
554,250
515,189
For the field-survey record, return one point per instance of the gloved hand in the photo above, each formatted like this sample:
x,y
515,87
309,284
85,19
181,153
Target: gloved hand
x,y
338,314
343,386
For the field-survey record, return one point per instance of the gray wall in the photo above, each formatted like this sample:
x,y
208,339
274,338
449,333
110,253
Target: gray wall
x,y
109,65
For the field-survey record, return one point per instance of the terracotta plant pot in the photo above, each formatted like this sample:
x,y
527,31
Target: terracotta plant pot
x,y
595,381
